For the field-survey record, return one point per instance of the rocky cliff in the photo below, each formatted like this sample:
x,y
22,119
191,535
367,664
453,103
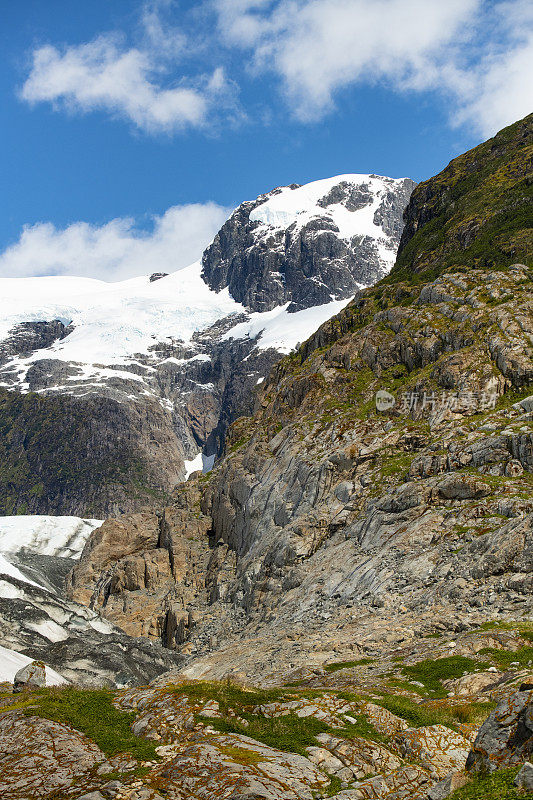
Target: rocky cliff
x,y
382,487
112,393
309,244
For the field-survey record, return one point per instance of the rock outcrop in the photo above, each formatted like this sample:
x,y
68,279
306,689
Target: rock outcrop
x,y
506,737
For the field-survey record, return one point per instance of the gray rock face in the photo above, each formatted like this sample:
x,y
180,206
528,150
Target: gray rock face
x,y
506,737
310,262
29,336
32,676
74,640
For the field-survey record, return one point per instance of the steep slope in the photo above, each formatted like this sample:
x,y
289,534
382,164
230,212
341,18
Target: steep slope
x,y
476,212
341,521
110,393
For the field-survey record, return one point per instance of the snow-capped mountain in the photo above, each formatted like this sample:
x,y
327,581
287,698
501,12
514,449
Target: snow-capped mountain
x,y
127,387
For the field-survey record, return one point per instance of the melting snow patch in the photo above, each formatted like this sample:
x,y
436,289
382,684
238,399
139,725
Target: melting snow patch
x,y
194,465
47,535
6,568
101,625
49,629
11,662
281,330
8,591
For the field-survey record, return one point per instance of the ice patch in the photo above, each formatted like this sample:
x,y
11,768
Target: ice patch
x,y
200,463
101,625
194,465
11,662
49,629
208,462
284,331
8,591
112,322
6,568
47,535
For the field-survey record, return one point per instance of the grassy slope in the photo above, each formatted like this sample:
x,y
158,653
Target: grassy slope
x,y
475,213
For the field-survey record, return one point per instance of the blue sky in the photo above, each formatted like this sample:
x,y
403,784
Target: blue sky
x,y
124,121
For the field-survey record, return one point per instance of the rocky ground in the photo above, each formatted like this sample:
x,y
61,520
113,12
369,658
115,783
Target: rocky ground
x,y
352,731
333,528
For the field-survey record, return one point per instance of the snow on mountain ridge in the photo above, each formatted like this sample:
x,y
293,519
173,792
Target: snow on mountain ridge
x,y
300,205
114,322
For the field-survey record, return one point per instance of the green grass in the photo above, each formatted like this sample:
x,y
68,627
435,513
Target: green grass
x,y
498,786
91,711
336,665
411,711
419,714
432,672
335,785
504,658
289,732
229,695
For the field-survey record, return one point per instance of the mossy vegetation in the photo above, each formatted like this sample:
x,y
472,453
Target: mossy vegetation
x,y
419,714
50,449
476,213
336,665
289,732
92,712
498,786
431,672
523,656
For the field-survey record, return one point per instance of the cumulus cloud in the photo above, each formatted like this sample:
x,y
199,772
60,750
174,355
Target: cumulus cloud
x,y
478,53
116,250
499,89
320,46
103,75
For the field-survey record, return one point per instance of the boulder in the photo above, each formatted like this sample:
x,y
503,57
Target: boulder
x,y
506,736
445,787
524,779
463,487
32,676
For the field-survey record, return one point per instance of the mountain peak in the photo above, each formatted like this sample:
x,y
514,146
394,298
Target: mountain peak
x,y
308,245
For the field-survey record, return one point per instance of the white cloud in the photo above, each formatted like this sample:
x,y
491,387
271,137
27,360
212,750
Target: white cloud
x,y
160,35
104,75
116,250
320,46
501,87
477,52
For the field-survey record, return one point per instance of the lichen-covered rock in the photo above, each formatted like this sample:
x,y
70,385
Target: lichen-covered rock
x,y
506,737
32,676
436,747
39,758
